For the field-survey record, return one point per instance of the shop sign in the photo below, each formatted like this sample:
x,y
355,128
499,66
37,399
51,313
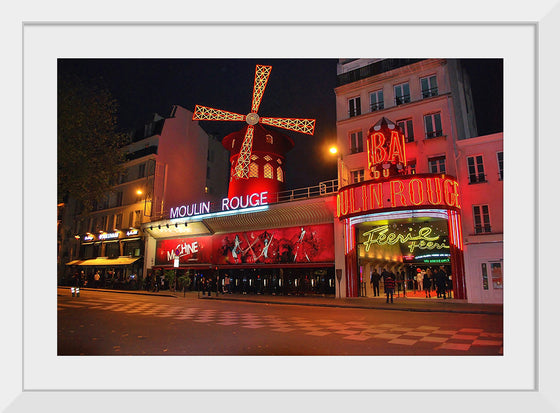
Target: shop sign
x,y
88,237
227,204
410,191
131,232
108,235
186,250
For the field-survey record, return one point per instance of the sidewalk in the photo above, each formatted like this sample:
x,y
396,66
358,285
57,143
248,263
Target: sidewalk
x,y
400,303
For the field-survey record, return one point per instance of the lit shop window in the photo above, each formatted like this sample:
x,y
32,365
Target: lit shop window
x,y
429,87
500,156
268,171
280,174
481,218
376,100
253,170
402,94
436,165
358,176
432,125
354,107
356,142
476,169
406,128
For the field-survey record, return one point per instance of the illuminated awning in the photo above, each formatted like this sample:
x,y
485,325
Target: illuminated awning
x,y
104,261
308,211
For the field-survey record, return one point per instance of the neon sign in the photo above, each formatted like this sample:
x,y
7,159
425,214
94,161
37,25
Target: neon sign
x,y
131,232
385,149
181,250
408,191
228,204
109,235
88,237
423,240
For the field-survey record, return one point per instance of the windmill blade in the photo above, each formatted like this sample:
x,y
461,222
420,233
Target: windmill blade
x,y
242,167
299,125
206,113
261,78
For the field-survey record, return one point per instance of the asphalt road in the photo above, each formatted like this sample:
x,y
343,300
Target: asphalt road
x,y
101,323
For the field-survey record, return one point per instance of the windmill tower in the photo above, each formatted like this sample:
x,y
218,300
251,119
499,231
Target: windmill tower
x,y
257,154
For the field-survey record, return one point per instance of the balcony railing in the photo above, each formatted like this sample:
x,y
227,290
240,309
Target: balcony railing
x,y
324,188
475,179
428,93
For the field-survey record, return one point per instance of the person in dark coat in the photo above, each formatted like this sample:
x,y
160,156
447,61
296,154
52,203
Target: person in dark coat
x,y
441,283
389,285
374,280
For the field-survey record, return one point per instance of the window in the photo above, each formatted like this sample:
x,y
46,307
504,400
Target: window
x,y
376,100
406,128
280,174
141,170
476,169
402,94
481,219
501,165
118,221
268,171
356,142
119,198
253,170
436,165
269,139
411,167
110,222
137,218
358,176
429,87
103,223
131,219
432,125
354,107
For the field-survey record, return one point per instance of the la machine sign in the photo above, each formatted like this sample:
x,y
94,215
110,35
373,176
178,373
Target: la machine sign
x,y
227,204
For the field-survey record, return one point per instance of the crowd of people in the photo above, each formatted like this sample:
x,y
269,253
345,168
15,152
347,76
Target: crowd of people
x,y
424,281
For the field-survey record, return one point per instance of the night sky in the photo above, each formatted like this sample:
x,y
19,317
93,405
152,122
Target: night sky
x,y
299,88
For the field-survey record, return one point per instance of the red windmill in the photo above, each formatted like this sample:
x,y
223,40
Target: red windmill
x,y
256,144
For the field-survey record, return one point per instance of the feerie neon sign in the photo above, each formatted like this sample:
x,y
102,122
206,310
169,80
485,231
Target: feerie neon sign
x,y
228,204
423,240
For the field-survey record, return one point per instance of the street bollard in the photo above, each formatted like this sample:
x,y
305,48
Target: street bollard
x,y
73,291
77,292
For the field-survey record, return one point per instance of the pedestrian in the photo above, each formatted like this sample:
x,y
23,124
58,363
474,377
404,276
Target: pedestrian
x,y
420,279
374,280
427,285
226,285
96,278
441,281
209,284
403,277
399,281
389,286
